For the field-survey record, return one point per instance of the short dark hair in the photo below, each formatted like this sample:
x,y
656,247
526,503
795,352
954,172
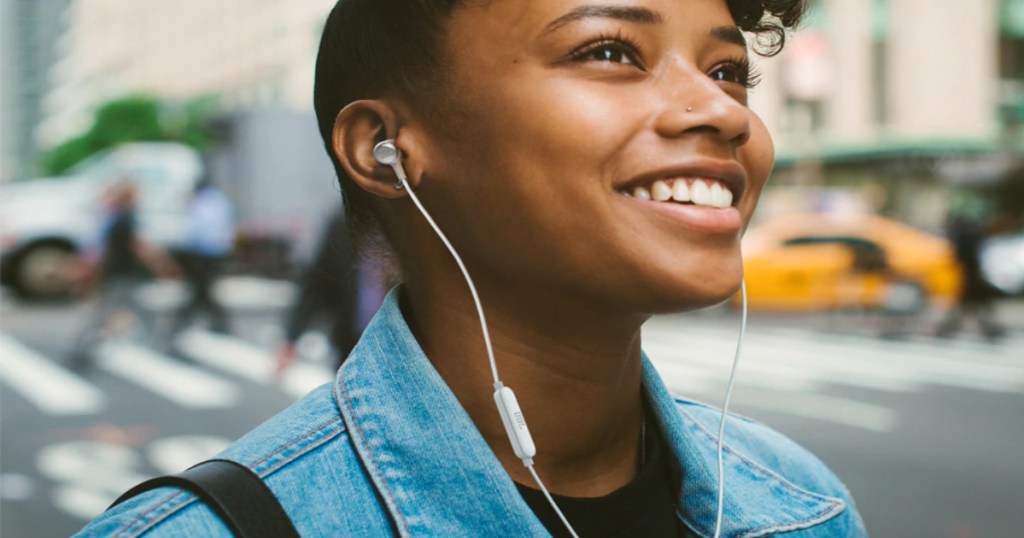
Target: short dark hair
x,y
372,47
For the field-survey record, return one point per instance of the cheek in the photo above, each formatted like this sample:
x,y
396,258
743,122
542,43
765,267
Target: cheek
x,y
538,149
553,130
758,157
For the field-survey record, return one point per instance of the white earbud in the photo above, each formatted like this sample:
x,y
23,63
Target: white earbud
x,y
387,153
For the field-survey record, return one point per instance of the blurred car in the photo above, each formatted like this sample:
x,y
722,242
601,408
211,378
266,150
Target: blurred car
x,y
45,223
834,261
1002,262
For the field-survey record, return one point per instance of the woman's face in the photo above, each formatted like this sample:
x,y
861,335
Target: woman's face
x,y
561,116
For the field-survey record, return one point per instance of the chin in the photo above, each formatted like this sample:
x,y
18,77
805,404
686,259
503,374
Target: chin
x,y
697,289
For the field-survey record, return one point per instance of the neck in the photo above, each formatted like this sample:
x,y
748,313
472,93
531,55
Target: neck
x,y
576,371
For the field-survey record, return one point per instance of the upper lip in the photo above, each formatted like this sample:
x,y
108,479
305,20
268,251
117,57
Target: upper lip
x,y
729,173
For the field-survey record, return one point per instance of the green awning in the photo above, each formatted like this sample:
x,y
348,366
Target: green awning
x,y
887,150
1011,17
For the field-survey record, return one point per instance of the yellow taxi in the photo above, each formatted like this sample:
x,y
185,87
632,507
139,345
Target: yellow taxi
x,y
835,261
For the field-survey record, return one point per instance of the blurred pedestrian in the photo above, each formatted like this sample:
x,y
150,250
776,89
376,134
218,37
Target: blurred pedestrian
x,y
124,262
335,286
976,294
209,239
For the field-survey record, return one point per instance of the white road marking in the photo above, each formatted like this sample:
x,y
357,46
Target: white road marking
x,y
245,360
175,454
235,292
822,407
780,355
89,475
182,384
16,487
785,370
49,387
80,502
106,466
778,394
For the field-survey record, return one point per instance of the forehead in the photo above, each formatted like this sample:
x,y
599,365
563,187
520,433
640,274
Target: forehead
x,y
532,19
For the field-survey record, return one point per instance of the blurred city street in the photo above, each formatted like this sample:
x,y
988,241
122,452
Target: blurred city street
x,y
919,428
181,259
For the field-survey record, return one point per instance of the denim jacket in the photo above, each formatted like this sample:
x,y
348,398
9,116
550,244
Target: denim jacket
x,y
386,450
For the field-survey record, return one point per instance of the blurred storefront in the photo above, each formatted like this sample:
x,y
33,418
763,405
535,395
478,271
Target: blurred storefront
x,y
901,107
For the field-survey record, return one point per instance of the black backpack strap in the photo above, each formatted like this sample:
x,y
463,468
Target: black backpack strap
x,y
234,492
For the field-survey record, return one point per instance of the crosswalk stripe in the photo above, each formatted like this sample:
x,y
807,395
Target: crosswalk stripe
x,y
182,384
49,387
785,396
1002,354
856,361
249,361
823,407
756,369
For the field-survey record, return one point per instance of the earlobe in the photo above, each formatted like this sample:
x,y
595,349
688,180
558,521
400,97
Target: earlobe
x,y
357,129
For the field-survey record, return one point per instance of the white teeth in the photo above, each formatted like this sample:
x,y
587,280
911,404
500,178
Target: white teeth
x,y
660,191
681,191
700,193
641,193
717,195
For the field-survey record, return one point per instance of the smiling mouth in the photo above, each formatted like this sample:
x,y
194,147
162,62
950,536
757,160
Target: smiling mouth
x,y
703,192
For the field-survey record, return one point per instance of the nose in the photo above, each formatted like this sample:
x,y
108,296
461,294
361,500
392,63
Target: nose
x,y
694,105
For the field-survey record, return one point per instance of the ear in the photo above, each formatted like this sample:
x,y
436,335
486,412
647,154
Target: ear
x,y
357,129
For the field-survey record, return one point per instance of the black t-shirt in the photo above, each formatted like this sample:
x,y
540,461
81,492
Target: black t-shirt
x,y
644,507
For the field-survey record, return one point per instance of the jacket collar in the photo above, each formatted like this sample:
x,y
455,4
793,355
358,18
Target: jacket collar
x,y
445,481
757,500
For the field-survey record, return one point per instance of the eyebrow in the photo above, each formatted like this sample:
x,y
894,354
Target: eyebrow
x,y
729,34
622,13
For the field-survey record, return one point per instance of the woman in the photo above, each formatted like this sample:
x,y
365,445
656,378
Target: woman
x,y
550,140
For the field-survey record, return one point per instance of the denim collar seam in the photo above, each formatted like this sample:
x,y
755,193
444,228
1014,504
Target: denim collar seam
x,y
156,514
732,414
820,517
691,525
314,438
369,459
833,511
758,467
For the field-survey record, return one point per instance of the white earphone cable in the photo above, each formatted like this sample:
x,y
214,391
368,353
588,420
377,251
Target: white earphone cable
x,y
725,410
528,462
465,274
551,500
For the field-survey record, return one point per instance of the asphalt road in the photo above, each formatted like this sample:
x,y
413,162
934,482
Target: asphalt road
x,y
926,433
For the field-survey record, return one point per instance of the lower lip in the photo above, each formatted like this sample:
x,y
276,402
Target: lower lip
x,y
714,220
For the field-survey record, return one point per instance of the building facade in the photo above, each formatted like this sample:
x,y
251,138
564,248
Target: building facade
x,y
245,52
902,94
905,99
29,30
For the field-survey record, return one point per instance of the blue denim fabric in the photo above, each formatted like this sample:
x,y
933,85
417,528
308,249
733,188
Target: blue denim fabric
x,y
386,450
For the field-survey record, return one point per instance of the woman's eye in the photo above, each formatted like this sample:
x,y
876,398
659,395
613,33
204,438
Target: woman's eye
x,y
610,54
615,50
736,72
